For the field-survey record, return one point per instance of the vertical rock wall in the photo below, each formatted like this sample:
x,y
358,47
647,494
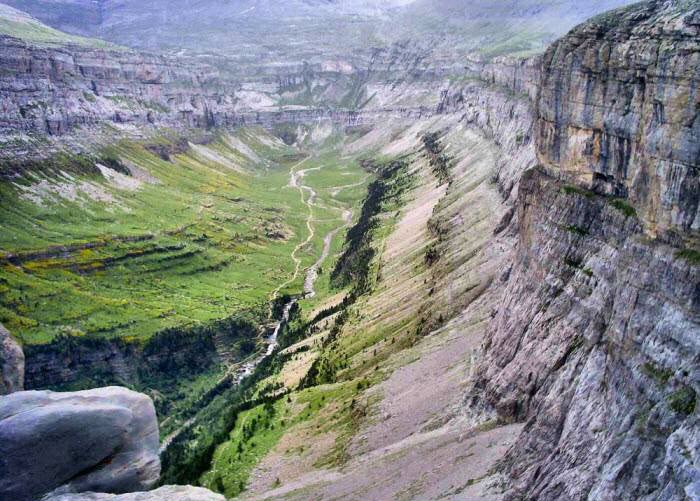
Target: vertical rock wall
x,y
619,110
596,344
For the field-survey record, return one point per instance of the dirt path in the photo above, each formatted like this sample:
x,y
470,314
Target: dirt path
x,y
312,273
296,177
169,439
245,368
337,189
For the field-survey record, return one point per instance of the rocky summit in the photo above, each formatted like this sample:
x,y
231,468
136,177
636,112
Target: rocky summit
x,y
351,250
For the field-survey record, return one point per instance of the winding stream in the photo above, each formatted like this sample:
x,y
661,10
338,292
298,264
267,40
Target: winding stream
x,y
295,181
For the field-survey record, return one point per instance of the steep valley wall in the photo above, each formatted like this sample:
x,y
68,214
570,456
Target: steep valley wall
x,y
596,344
68,90
54,89
81,96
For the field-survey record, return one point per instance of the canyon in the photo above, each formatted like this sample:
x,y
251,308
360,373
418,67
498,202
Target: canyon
x,y
444,273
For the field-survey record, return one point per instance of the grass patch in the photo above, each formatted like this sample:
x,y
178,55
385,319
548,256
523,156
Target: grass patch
x,y
209,236
32,31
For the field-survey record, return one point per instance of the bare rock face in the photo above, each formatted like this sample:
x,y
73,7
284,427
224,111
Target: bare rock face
x,y
167,493
102,440
11,363
596,344
53,89
596,347
619,110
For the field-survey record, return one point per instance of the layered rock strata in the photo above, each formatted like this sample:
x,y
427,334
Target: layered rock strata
x,y
596,343
619,110
53,89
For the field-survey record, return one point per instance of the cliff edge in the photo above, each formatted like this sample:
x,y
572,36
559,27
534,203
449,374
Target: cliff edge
x,y
596,343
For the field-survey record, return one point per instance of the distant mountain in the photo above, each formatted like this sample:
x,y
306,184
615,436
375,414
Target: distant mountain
x,y
257,30
19,24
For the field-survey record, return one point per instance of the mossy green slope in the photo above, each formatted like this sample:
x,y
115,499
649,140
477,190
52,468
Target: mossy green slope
x,y
197,237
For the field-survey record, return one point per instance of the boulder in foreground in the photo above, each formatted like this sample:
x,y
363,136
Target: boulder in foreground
x,y
167,493
101,440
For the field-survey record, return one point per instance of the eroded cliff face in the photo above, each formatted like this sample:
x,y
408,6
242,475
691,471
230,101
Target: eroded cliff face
x,y
79,97
596,343
53,89
619,110
596,347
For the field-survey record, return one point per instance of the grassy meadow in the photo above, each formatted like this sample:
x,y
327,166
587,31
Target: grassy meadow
x,y
179,239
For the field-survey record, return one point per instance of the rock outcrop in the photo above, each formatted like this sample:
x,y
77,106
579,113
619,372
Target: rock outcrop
x,y
52,89
619,110
11,363
166,493
596,344
103,440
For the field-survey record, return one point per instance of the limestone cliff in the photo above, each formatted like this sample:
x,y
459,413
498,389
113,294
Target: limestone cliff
x,y
596,343
52,89
81,94
619,110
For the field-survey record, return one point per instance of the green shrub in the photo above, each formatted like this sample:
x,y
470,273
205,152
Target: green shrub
x,y
623,207
683,401
438,160
432,255
659,374
577,230
574,263
575,190
690,255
